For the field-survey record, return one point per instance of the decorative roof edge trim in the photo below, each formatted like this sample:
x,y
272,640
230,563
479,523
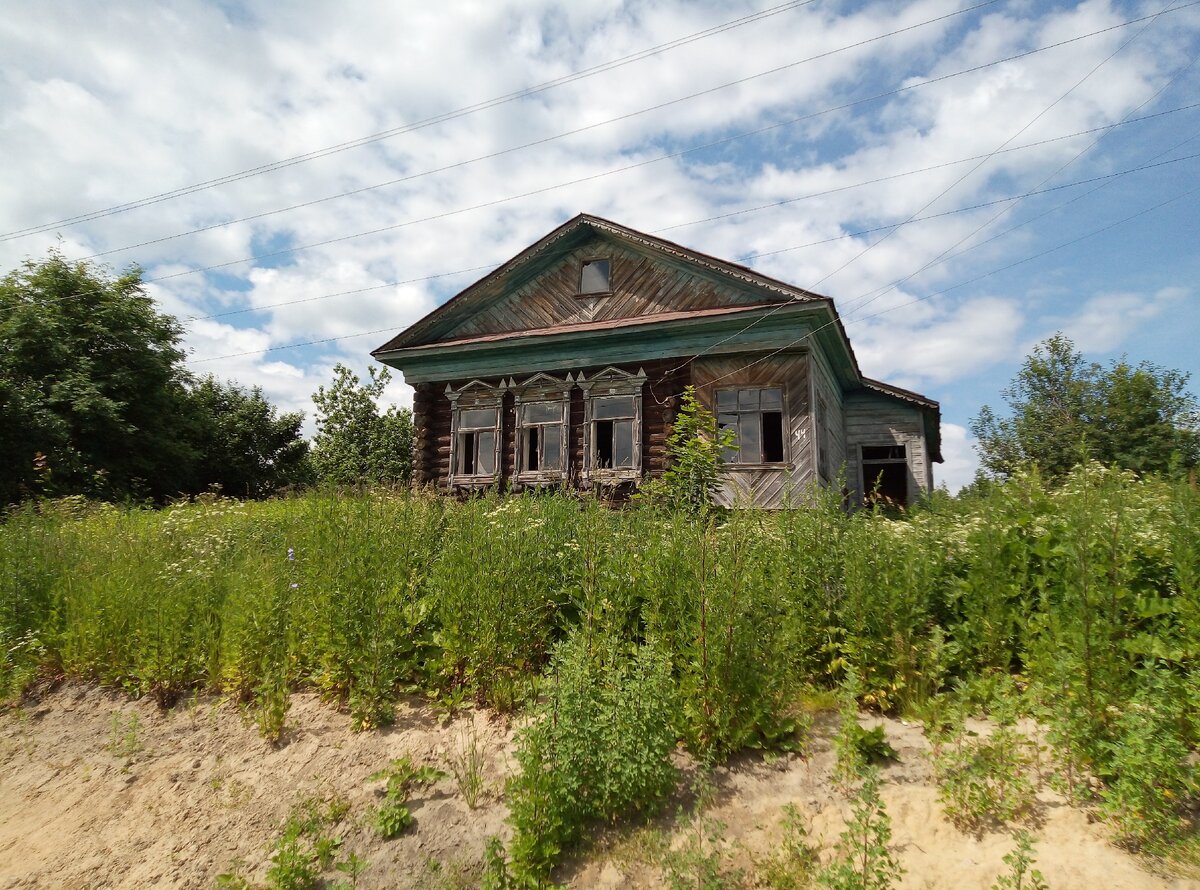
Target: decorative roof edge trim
x,y
735,270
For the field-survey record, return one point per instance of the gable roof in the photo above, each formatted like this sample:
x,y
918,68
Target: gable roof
x,y
526,264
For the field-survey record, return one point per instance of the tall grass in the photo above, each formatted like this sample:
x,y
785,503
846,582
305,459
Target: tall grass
x,y
363,595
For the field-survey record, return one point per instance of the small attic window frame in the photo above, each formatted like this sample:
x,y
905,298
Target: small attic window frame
x,y
587,289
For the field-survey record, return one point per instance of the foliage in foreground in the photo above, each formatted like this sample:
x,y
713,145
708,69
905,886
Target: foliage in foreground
x,y
1088,591
599,749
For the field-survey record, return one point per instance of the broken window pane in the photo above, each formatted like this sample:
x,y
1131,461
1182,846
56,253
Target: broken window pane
x,y
756,418
772,436
543,412
593,277
883,452
551,448
531,448
604,443
613,406
466,454
486,460
623,443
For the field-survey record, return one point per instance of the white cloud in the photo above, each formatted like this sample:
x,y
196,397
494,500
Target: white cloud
x,y
961,459
938,344
1105,320
103,104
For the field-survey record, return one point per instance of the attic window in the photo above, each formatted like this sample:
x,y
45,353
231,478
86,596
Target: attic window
x,y
593,277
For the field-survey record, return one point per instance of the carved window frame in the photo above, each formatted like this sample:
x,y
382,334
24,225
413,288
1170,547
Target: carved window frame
x,y
472,396
611,382
542,388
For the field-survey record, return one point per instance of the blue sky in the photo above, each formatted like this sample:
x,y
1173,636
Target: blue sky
x,y
800,127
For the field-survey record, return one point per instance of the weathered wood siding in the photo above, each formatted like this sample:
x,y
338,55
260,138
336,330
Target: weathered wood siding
x,y
432,415
641,285
873,419
765,487
825,387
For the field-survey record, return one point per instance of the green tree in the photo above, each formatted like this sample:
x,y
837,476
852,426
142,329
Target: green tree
x,y
695,467
355,443
242,442
92,386
1064,410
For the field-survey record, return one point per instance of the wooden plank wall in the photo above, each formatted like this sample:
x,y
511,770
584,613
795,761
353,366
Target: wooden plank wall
x,y
641,286
665,381
873,419
765,487
825,386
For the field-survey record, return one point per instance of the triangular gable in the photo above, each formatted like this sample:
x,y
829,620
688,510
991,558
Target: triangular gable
x,y
538,288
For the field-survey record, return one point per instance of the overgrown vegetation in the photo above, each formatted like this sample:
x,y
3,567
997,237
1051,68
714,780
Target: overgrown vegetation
x,y
641,628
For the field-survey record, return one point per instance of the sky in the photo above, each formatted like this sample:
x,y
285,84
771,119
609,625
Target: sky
x,y
964,179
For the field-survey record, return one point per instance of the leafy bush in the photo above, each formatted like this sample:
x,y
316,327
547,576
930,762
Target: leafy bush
x,y
981,779
1021,874
393,816
794,863
1151,781
862,859
599,749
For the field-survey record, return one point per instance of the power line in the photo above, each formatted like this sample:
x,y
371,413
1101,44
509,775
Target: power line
x,y
946,290
642,163
786,201
584,129
1106,177
799,340
408,128
1037,117
593,177
1083,151
861,301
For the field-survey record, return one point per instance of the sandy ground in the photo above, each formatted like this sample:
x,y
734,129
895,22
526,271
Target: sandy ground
x,y
195,792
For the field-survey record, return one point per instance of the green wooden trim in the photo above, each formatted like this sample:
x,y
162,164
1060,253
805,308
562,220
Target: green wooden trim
x,y
518,355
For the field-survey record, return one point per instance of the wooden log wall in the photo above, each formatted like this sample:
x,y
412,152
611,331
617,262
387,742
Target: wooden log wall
x,y
432,415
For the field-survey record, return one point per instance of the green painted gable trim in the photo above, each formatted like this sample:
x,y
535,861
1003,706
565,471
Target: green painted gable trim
x,y
789,327
595,234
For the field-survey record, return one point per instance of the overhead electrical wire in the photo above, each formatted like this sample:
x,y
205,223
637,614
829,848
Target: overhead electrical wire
x,y
408,128
1106,177
740,212
509,198
868,298
892,226
1037,117
584,129
799,340
988,274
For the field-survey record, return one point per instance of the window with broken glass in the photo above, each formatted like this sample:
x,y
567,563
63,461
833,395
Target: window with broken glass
x,y
541,425
755,417
885,474
476,440
614,421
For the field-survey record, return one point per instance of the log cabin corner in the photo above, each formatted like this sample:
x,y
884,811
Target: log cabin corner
x,y
565,365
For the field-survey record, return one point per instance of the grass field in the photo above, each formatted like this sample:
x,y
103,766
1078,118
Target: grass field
x,y
1076,605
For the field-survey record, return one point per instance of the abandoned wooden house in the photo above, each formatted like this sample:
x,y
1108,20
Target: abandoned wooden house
x,y
565,366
